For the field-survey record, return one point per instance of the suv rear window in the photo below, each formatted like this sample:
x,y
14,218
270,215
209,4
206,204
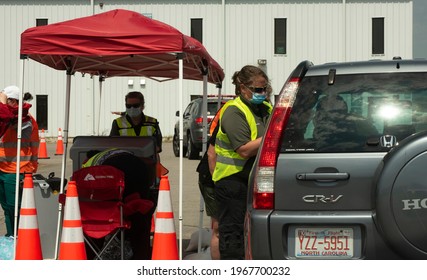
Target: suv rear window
x,y
213,107
356,113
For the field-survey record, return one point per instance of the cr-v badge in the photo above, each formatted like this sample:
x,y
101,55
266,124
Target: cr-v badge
x,y
388,141
316,198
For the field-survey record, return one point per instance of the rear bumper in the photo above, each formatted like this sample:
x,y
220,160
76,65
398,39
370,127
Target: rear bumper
x,y
198,138
267,232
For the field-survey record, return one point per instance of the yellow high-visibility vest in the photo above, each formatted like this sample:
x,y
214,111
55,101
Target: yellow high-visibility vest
x,y
229,162
148,127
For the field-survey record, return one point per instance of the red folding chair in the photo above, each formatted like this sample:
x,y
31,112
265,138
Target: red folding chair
x,y
100,189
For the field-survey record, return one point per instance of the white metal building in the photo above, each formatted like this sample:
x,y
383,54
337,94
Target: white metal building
x,y
274,34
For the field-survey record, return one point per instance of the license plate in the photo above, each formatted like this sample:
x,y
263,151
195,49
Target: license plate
x,y
336,243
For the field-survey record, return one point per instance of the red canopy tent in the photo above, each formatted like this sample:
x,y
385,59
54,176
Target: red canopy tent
x,y
119,43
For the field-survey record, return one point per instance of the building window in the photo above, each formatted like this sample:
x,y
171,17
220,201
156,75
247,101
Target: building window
x,y
378,36
280,36
41,111
41,21
197,29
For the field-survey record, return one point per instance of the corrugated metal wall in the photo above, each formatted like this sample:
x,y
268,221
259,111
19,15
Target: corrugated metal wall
x,y
397,25
317,30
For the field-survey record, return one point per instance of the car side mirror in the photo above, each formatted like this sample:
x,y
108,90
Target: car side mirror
x,y
177,113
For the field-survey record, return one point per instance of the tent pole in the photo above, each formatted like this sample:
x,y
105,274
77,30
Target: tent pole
x,y
204,148
64,157
181,135
18,157
93,108
101,79
219,86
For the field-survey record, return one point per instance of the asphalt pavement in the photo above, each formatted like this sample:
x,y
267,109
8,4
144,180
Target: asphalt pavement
x,y
187,217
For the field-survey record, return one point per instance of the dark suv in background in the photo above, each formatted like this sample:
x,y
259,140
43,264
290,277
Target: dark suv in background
x,y
341,171
193,125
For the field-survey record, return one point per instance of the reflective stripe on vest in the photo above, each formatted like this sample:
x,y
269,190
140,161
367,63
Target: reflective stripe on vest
x,y
228,161
29,148
148,128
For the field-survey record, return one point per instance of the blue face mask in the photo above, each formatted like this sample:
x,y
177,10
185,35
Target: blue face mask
x,y
257,98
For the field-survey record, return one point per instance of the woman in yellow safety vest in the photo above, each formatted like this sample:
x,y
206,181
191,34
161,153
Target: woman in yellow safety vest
x,y
242,124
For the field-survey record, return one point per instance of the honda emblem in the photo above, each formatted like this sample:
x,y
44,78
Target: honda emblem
x,y
388,141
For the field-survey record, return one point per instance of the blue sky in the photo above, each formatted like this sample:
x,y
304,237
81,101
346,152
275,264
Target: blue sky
x,y
420,28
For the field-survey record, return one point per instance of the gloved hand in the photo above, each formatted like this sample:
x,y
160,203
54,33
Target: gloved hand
x,y
133,203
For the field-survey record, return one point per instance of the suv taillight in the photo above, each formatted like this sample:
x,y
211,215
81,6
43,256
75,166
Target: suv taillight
x,y
200,120
263,189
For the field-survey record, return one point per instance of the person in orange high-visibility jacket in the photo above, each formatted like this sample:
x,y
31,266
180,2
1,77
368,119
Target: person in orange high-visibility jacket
x,y
8,152
214,122
207,186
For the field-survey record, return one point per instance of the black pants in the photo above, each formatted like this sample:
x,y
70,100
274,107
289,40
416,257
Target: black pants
x,y
231,196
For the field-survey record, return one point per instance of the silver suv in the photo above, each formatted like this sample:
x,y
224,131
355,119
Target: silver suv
x,y
193,126
340,174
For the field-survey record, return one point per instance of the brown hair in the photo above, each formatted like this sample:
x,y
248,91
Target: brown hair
x,y
28,96
245,75
135,94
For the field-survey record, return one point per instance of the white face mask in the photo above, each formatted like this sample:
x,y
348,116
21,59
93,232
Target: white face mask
x,y
133,112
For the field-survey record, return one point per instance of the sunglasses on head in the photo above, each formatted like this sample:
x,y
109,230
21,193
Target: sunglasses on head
x,y
137,105
257,89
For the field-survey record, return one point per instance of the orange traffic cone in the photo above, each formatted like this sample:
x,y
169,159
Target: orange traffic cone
x,y
72,245
164,241
28,246
59,144
42,147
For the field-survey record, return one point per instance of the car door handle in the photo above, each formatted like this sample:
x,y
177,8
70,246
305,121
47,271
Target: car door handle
x,y
338,176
